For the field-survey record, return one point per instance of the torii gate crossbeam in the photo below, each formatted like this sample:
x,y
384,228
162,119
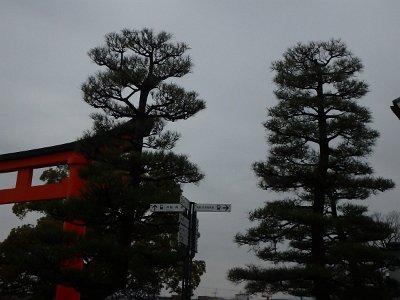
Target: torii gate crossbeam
x,y
24,163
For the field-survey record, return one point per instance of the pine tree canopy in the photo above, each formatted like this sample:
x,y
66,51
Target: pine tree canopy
x,y
319,241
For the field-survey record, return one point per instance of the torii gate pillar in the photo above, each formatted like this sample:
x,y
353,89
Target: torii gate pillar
x,y
24,163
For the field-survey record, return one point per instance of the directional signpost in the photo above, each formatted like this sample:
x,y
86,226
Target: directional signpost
x,y
183,234
183,220
185,202
213,207
188,230
166,207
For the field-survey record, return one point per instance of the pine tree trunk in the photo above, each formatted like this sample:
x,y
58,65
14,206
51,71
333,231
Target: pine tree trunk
x,y
318,252
318,249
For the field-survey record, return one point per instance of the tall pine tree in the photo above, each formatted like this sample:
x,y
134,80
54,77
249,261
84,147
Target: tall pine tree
x,y
131,149
318,238
131,165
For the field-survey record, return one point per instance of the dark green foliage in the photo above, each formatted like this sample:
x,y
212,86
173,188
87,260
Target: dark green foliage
x,y
30,259
131,166
321,245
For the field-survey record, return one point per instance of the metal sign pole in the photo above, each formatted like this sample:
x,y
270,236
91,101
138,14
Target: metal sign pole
x,y
183,289
185,272
192,247
187,269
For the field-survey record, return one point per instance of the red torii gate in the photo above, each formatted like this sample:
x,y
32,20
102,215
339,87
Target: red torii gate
x,y
24,163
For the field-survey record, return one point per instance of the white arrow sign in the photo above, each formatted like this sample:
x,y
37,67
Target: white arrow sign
x,y
166,207
213,207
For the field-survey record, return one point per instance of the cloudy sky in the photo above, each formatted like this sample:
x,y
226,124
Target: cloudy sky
x,y
43,62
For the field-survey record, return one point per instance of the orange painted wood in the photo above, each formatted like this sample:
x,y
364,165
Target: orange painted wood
x,y
39,161
24,163
34,193
66,293
25,192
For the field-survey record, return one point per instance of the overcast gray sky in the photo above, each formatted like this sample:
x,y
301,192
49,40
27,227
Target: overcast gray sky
x,y
43,63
